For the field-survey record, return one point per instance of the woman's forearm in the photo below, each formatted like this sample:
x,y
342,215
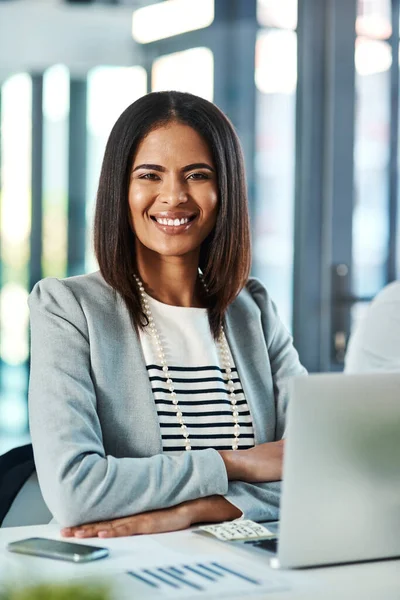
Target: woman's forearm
x,y
260,464
234,461
212,509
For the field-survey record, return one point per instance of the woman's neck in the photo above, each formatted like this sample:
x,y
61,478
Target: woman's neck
x,y
171,280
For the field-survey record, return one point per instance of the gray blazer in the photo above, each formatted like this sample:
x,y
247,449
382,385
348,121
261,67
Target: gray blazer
x,y
93,420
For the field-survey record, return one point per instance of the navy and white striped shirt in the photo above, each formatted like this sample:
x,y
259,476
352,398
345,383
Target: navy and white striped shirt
x,y
196,369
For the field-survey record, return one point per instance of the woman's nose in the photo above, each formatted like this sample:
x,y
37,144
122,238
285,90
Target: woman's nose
x,y
173,191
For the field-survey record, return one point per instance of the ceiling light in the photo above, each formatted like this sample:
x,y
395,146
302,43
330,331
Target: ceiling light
x,y
169,18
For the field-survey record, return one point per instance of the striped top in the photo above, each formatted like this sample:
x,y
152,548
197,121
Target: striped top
x,y
199,379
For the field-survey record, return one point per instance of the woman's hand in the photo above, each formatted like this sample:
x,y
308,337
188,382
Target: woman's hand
x,y
255,465
211,509
156,521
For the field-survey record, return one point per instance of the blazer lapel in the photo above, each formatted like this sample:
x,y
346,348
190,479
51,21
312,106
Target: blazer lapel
x,y
145,422
250,353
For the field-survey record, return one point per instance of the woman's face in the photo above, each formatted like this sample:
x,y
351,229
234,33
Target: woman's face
x,y
173,194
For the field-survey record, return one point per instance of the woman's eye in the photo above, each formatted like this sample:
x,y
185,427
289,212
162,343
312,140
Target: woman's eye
x,y
198,176
150,176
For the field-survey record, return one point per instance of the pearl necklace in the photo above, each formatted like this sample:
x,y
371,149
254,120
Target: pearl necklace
x,y
225,355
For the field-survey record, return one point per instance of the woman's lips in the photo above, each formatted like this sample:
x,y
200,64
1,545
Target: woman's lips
x,y
173,229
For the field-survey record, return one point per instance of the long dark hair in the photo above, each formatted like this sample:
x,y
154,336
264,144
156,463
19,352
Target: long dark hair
x,y
225,256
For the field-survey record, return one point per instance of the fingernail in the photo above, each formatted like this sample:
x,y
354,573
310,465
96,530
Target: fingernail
x,y
80,533
103,533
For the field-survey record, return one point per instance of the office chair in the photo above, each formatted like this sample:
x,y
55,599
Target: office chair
x,y
21,501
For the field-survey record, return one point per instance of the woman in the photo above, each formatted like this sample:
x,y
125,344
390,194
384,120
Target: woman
x,y
157,395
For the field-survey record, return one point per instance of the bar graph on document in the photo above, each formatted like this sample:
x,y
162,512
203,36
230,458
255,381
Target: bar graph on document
x,y
200,578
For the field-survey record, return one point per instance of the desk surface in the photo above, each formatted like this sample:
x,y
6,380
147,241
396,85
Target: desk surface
x,y
380,580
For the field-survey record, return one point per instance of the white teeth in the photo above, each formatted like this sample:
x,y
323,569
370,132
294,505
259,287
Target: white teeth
x,y
172,222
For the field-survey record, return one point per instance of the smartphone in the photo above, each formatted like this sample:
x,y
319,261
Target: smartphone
x,y
76,553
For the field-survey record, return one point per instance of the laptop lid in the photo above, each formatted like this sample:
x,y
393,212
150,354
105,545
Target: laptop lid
x,y
341,478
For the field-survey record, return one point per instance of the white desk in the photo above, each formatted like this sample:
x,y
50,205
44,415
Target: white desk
x,y
376,580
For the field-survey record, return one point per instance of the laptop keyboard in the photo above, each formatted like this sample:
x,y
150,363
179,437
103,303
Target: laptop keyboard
x,y
270,545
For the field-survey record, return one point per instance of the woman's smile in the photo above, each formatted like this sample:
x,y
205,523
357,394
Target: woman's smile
x,y
173,223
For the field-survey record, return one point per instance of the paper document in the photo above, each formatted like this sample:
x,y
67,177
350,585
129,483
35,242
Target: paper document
x,y
242,530
211,578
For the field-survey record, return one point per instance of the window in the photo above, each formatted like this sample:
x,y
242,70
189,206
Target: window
x,y
276,77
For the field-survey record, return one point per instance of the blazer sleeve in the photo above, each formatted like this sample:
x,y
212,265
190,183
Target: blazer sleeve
x,y
260,501
79,482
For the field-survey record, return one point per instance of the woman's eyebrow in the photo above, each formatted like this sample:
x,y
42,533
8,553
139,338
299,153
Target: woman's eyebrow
x,y
151,167
197,166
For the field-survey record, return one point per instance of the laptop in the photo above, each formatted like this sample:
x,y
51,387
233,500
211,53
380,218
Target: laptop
x,y
341,476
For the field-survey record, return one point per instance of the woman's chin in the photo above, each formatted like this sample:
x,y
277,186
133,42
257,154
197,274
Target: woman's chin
x,y
171,250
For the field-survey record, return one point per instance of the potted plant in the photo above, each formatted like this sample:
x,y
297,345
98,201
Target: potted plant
x,y
56,591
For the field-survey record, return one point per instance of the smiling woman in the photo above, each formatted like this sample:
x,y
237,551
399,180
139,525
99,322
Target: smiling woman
x,y
174,154
157,389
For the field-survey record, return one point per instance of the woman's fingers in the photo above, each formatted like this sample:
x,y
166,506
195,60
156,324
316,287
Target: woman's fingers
x,y
85,531
117,528
158,521
119,531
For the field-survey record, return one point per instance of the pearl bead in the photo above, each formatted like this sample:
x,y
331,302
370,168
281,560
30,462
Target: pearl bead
x,y
236,427
175,401
179,414
165,369
235,413
234,446
188,447
172,394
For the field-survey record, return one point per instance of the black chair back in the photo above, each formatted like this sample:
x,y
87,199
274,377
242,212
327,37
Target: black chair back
x,y
16,466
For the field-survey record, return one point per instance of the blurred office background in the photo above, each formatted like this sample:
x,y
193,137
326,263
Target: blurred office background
x,y
312,87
